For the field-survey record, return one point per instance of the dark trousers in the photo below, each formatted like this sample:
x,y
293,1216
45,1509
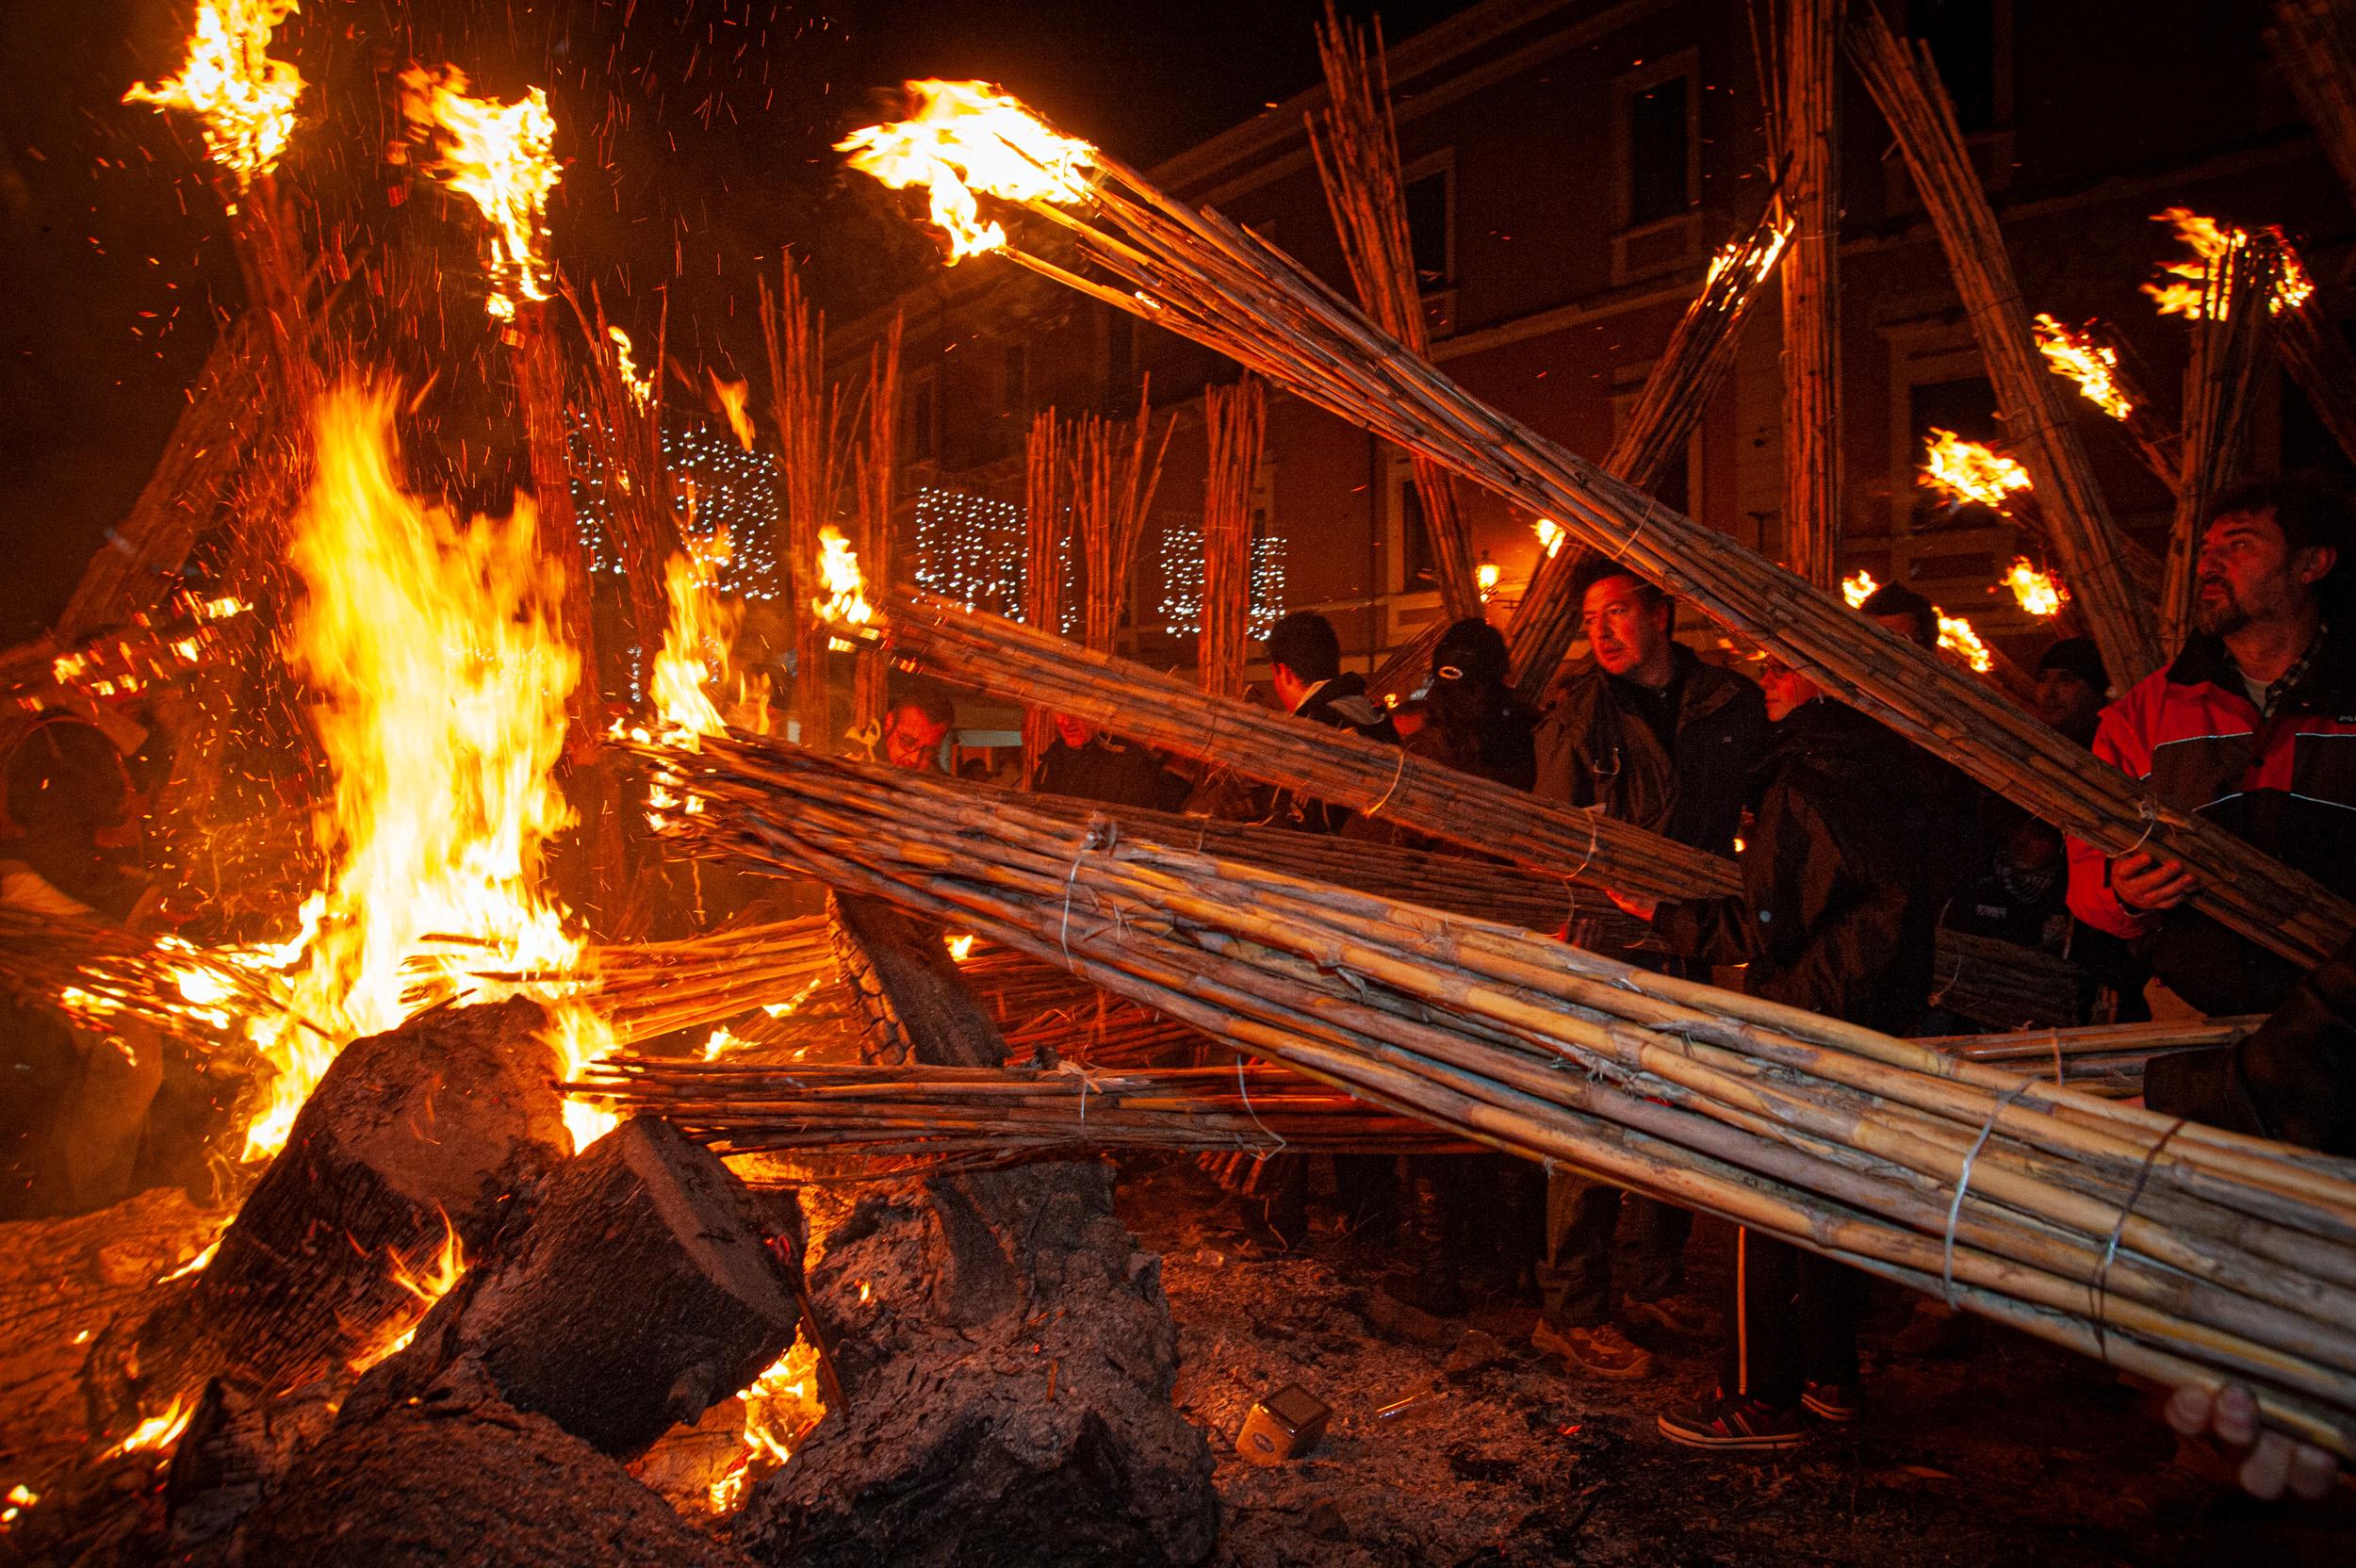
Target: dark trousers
x,y
1576,1278
1367,1193
1795,1317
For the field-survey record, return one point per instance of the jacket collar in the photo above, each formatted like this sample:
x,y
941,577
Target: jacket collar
x,y
2327,685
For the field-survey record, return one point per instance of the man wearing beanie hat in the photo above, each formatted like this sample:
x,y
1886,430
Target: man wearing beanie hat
x,y
2071,688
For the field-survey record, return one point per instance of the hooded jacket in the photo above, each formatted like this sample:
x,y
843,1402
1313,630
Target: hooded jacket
x,y
1592,751
2286,785
1834,915
1341,703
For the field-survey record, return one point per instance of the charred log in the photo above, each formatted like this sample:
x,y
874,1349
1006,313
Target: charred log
x,y
451,1119
644,1289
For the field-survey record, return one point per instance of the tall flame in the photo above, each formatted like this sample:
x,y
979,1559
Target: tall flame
x,y
244,100
641,388
1969,471
441,681
781,1405
845,603
694,673
963,138
733,395
2093,365
497,154
2037,592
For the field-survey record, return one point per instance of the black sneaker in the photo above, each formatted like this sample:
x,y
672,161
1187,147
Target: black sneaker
x,y
1734,1423
1833,1402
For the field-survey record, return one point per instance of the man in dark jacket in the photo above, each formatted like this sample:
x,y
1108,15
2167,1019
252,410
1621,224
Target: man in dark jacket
x,y
1088,763
1832,918
2254,727
1305,668
1655,736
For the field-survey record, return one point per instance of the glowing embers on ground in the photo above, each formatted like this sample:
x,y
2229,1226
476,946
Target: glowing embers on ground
x,y
498,155
781,1405
441,683
2078,354
243,99
962,139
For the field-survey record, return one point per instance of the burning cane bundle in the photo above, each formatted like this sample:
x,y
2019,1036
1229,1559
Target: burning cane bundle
x,y
1209,279
2174,1251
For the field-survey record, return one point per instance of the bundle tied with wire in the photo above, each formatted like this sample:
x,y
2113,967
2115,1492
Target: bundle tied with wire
x,y
1207,278
2177,1252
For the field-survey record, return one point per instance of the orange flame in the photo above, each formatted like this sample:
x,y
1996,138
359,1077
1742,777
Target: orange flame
x,y
2209,240
698,650
244,100
1857,587
1550,536
963,138
1956,636
845,603
442,681
1969,471
732,395
157,1431
641,388
498,155
960,948
780,1406
428,1285
1731,254
2037,592
2092,364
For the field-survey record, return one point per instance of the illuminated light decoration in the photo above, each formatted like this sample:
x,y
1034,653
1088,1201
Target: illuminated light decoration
x,y
496,155
243,100
2037,592
735,490
971,548
2093,366
1182,582
1857,587
1968,472
1550,536
966,137
2208,239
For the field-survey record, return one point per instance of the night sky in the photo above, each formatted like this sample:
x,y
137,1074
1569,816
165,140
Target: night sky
x,y
696,138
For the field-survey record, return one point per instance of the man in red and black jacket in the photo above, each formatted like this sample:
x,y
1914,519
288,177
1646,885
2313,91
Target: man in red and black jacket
x,y
2253,726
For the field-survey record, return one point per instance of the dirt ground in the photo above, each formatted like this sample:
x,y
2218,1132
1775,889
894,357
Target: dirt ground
x,y
2009,1453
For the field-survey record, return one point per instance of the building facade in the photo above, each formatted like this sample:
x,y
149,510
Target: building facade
x,y
1571,165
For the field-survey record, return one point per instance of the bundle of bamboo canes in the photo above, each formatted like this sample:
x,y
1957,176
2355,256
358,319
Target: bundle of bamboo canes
x,y
2106,1059
884,1111
2313,43
622,418
2229,339
1676,393
1236,419
1046,543
875,480
2092,357
1905,85
814,455
2003,983
2177,1252
2313,350
97,974
649,988
1805,120
988,654
1354,143
1203,276
1111,485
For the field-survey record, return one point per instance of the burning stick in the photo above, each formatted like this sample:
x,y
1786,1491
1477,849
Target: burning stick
x,y
1974,473
1354,142
2228,336
2085,357
2185,1253
1676,393
1208,279
1905,86
1235,418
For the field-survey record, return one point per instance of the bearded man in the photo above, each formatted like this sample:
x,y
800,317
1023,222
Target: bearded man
x,y
2253,726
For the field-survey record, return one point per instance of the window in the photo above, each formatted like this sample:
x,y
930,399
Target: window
x,y
1426,198
923,417
1659,152
1966,405
1963,36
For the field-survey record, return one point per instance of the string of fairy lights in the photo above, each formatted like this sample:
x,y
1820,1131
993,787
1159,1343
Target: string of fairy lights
x,y
972,548
731,488
1182,582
